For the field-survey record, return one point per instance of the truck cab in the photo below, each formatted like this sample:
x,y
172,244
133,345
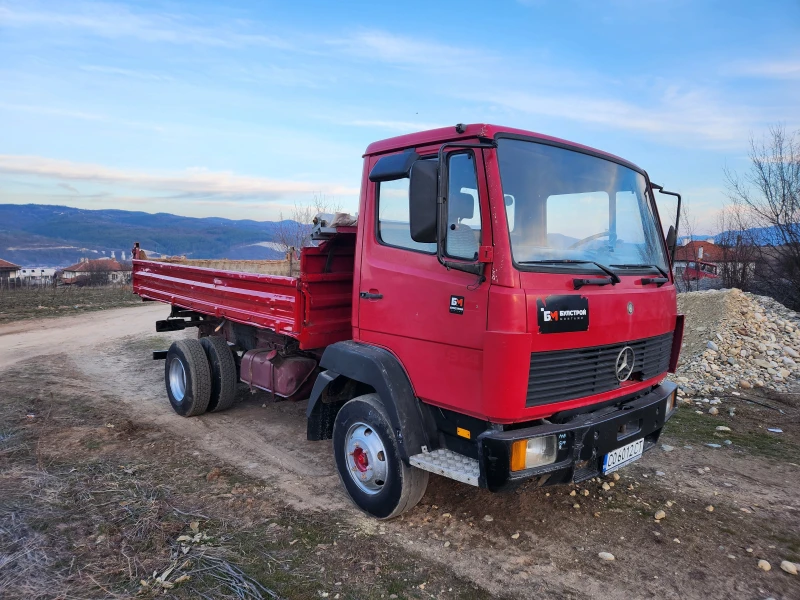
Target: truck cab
x,y
513,317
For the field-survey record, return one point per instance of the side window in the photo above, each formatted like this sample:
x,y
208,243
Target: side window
x,y
393,218
463,208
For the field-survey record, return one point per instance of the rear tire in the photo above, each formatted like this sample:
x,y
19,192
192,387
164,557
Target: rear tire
x,y
188,378
368,460
223,373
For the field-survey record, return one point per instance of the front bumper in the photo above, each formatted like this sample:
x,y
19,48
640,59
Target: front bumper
x,y
582,442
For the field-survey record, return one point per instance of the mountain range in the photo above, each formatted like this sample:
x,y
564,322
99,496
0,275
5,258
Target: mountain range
x,y
57,236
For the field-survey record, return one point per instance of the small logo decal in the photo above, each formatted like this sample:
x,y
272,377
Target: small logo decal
x,y
625,360
630,308
457,305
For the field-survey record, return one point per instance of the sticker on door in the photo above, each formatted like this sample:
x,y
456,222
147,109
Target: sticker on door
x,y
457,305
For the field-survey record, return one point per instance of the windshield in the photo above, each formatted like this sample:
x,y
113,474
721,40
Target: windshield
x,y
566,205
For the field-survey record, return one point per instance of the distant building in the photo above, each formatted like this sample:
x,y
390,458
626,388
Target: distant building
x,y
699,259
99,271
8,270
37,275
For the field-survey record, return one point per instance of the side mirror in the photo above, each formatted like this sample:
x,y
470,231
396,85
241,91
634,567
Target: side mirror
x,y
422,208
394,166
672,241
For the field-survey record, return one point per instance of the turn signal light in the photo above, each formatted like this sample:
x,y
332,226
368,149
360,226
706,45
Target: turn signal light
x,y
534,452
672,401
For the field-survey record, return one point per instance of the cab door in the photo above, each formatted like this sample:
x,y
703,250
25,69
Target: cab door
x,y
432,319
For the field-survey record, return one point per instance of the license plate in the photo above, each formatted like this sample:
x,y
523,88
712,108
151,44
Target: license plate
x,y
622,456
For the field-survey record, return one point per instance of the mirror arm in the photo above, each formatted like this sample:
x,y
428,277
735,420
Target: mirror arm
x,y
661,190
441,212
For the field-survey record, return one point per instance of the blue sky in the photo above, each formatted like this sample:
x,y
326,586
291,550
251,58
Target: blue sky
x,y
242,109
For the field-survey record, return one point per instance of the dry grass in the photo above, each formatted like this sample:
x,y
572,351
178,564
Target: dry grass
x,y
93,505
38,302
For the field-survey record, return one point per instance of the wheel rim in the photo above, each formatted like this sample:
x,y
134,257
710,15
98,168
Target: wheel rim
x,y
365,456
177,380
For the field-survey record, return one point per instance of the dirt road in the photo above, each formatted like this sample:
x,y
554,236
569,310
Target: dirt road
x,y
527,544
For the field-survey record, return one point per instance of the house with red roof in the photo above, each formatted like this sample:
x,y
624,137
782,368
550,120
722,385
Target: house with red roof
x,y
101,271
8,270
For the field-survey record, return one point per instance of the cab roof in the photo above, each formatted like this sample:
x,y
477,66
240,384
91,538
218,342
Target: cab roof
x,y
480,130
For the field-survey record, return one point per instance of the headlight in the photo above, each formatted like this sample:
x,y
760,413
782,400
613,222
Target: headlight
x,y
535,452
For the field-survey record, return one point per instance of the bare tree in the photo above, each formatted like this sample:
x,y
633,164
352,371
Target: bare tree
x,y
688,225
739,252
770,191
294,233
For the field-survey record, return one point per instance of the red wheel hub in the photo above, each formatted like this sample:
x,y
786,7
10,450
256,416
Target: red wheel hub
x,y
360,459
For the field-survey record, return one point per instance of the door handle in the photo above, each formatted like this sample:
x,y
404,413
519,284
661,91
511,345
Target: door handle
x,y
370,296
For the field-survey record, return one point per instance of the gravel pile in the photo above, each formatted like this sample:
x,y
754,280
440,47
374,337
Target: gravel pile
x,y
750,341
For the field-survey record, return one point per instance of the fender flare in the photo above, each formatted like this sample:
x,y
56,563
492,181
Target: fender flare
x,y
381,370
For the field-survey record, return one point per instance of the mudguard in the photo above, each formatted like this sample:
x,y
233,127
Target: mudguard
x,y
381,370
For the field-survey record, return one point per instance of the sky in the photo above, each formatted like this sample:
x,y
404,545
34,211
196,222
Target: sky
x,y
242,109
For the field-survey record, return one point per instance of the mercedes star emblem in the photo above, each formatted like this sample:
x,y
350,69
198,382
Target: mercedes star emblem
x,y
625,360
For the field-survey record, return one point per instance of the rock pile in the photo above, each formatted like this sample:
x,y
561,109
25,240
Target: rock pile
x,y
756,343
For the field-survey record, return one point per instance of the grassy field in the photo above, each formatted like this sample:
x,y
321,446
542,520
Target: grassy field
x,y
38,302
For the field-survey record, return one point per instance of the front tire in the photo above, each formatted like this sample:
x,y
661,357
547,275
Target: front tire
x,y
188,378
368,460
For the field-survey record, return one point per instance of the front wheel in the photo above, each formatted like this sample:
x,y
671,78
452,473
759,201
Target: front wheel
x,y
369,463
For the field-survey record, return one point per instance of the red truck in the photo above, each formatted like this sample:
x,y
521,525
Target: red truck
x,y
503,312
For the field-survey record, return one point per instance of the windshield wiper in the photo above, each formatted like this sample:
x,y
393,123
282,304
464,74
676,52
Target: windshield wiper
x,y
656,267
647,280
612,278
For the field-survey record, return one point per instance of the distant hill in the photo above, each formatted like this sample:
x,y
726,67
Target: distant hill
x,y
57,236
762,236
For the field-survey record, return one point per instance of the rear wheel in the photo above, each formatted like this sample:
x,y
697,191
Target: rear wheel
x,y
223,373
188,378
369,463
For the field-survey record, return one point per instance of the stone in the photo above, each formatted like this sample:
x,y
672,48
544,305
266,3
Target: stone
x,y
791,352
606,556
660,514
615,476
515,536
789,567
667,448
745,385
488,518
606,487
709,508
713,445
784,373
573,493
762,363
712,346
764,565
723,428
713,410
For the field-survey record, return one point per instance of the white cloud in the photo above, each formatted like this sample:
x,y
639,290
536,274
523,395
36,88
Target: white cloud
x,y
129,73
400,126
195,183
116,21
767,69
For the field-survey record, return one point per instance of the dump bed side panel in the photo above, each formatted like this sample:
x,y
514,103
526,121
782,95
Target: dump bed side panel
x,y
314,308
267,301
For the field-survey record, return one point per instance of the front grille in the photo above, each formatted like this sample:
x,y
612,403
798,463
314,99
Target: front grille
x,y
566,374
